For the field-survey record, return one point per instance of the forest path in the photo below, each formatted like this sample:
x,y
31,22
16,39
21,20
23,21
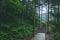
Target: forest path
x,y
40,34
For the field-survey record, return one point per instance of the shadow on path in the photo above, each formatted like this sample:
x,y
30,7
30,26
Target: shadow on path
x,y
40,33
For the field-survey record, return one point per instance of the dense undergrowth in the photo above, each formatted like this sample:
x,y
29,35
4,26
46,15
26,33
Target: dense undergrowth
x,y
56,27
17,21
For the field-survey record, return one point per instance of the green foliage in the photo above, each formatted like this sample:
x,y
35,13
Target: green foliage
x,y
56,24
16,20
57,36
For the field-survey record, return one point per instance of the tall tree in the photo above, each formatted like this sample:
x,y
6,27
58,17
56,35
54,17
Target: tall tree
x,y
17,19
